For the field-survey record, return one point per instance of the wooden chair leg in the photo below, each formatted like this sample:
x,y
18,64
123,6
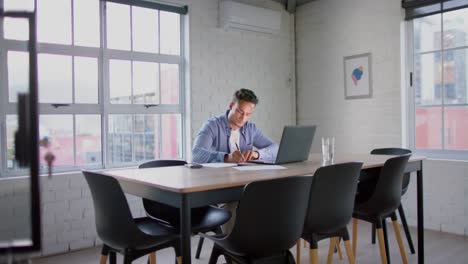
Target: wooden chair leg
x,y
338,247
298,251
305,243
152,258
179,260
331,250
383,254
313,256
103,259
400,242
355,226
349,252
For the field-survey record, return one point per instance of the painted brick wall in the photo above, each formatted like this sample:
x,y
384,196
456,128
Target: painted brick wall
x,y
326,32
220,62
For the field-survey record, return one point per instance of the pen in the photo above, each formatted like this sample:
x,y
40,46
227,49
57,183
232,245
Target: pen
x,y
237,146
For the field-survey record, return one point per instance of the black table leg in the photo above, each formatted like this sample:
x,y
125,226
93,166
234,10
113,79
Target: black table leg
x,y
185,229
420,215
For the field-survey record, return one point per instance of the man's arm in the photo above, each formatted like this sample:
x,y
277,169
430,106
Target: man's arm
x,y
201,151
265,147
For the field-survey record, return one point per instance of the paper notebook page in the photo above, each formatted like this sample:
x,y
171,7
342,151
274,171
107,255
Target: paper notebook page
x,y
261,167
219,165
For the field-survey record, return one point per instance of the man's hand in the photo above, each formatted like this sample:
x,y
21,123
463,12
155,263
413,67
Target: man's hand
x,y
235,157
250,155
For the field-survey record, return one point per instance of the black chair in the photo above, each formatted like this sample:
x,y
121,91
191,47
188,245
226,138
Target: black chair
x,y
382,204
204,219
331,205
120,232
269,221
404,189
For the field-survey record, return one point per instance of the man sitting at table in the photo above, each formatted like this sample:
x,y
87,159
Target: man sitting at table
x,y
230,137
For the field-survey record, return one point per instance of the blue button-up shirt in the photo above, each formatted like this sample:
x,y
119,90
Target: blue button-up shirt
x,y
212,142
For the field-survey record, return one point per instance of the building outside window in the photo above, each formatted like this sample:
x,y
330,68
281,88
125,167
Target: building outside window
x,y
439,91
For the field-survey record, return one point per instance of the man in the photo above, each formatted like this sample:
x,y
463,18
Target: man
x,y
231,138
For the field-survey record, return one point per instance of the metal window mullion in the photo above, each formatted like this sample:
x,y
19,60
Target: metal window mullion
x,y
182,87
442,89
4,95
72,17
47,108
446,49
160,136
104,86
143,56
74,139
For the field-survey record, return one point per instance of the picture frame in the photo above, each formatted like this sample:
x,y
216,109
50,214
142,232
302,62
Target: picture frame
x,y
358,76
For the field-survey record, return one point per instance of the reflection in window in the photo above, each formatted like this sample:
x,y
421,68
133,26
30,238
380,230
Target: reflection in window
x,y
88,140
59,131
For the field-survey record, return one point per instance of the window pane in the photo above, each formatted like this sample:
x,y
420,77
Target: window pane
x,y
145,29
145,82
55,78
427,33
88,140
455,76
54,21
59,130
456,28
86,22
120,138
86,80
120,82
16,28
118,26
171,136
428,127
18,74
11,127
456,127
169,83
170,33
146,136
19,5
427,79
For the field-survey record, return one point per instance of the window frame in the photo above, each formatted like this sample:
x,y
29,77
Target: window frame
x,y
103,107
411,95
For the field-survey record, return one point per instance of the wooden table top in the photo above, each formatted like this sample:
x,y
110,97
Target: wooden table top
x,y
181,179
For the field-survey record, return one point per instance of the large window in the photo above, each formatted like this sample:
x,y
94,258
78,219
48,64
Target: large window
x,y
439,92
110,82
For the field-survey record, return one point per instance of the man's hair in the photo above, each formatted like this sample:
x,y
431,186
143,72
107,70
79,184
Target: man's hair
x,y
244,95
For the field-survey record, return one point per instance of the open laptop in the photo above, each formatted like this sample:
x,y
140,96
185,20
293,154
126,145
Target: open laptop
x,y
294,146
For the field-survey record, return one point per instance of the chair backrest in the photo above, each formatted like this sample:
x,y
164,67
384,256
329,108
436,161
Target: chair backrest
x,y
387,195
396,151
270,216
161,163
331,199
114,222
160,211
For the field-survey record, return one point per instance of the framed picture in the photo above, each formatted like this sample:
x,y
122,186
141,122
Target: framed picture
x,y
358,76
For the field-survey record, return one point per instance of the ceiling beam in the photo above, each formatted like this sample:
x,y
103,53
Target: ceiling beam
x,y
291,6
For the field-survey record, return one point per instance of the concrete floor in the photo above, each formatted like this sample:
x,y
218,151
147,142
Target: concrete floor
x,y
440,248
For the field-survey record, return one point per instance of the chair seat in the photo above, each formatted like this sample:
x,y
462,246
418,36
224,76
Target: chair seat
x,y
204,219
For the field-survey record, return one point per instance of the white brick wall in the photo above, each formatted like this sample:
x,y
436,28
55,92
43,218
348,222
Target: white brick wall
x,y
220,63
326,32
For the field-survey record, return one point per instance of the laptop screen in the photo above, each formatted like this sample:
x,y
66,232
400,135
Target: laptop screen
x,y
295,144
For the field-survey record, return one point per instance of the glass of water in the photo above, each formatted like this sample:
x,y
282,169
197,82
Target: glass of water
x,y
328,150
